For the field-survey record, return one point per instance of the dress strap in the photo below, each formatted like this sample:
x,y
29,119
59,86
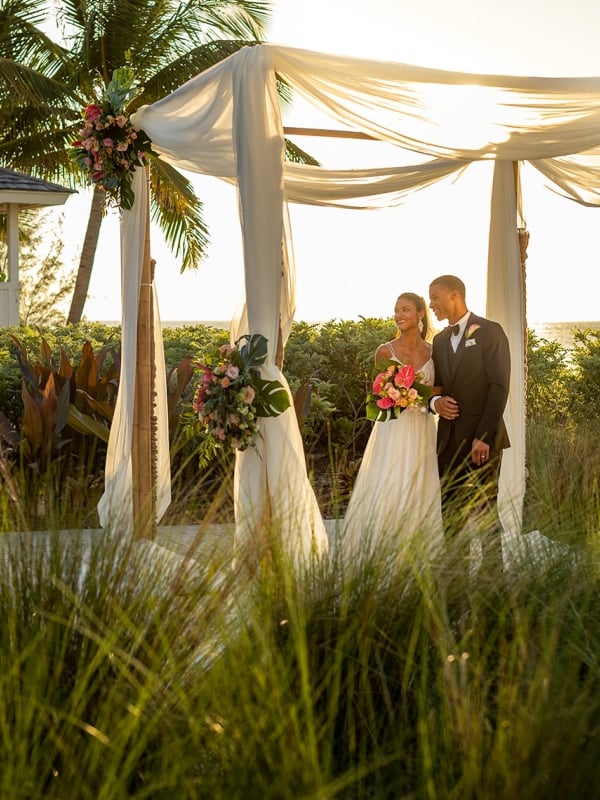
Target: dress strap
x,y
391,349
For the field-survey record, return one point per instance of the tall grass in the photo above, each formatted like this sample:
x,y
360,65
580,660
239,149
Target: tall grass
x,y
128,671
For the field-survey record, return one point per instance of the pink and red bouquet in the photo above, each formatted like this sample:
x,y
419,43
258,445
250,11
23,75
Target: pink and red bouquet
x,y
395,388
110,148
231,396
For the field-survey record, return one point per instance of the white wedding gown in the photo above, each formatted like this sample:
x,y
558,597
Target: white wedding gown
x,y
395,506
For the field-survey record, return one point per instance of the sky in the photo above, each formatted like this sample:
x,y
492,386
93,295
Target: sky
x,y
353,264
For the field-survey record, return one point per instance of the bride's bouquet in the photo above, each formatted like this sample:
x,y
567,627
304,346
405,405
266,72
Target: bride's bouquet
x,y
231,395
396,387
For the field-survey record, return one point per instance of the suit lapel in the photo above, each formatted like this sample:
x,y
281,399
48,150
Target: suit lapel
x,y
460,350
445,366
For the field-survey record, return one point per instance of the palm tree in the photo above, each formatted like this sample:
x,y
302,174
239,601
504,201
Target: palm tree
x,y
46,81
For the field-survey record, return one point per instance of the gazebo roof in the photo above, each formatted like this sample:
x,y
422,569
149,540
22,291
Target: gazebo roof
x,y
25,190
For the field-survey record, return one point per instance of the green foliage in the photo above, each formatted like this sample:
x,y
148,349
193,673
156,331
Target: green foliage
x,y
336,358
586,361
132,673
563,488
549,380
329,368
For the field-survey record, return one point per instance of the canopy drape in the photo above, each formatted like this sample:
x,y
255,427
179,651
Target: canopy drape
x,y
226,122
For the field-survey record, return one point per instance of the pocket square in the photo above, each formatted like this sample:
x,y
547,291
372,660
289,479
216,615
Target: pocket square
x,y
470,342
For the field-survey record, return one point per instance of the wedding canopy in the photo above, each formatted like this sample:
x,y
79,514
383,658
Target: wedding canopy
x,y
227,122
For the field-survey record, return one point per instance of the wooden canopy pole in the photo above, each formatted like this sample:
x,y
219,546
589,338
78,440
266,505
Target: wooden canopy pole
x,y
523,234
327,132
143,449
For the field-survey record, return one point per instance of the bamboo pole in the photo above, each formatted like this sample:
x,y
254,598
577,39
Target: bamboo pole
x,y
523,234
143,450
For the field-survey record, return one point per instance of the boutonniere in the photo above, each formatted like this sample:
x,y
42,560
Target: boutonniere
x,y
471,330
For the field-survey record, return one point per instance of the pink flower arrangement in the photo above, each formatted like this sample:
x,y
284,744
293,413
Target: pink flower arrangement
x,y
396,388
109,148
230,397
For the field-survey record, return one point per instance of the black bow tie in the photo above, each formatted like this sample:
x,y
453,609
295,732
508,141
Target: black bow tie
x,y
453,330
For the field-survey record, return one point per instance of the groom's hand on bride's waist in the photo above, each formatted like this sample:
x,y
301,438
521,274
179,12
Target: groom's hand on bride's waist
x,y
446,406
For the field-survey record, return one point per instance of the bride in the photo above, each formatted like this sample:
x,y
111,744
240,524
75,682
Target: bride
x,y
395,503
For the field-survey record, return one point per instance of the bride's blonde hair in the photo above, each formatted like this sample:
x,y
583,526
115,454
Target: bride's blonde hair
x,y
421,307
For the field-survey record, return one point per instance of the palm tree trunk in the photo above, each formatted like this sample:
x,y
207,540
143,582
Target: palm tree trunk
x,y
86,260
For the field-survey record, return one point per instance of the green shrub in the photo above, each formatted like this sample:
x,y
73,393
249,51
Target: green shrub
x,y
549,376
330,366
586,361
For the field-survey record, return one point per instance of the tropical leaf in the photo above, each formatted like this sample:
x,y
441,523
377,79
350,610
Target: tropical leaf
x,y
8,432
271,398
178,212
83,423
254,350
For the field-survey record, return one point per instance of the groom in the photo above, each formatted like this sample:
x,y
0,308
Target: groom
x,y
472,369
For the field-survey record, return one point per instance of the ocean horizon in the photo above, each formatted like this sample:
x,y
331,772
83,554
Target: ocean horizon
x,y
561,332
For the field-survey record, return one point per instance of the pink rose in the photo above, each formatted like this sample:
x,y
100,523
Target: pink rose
x,y
248,395
378,382
232,371
107,142
385,402
92,112
122,147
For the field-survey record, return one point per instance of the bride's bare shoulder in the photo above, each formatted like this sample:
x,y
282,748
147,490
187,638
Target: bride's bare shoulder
x,y
385,350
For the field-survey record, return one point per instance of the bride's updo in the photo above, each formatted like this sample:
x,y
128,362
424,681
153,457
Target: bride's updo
x,y
421,306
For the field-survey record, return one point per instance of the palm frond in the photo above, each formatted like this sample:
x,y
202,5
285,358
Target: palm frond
x,y
239,19
21,40
20,84
178,211
186,67
297,155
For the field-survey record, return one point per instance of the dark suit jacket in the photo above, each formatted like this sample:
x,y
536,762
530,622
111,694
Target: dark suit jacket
x,y
478,376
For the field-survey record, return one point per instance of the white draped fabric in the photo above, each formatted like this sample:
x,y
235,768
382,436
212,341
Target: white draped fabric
x,y
115,508
226,122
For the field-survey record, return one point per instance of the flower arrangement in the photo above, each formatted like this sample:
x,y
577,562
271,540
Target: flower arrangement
x,y
110,148
396,387
231,395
